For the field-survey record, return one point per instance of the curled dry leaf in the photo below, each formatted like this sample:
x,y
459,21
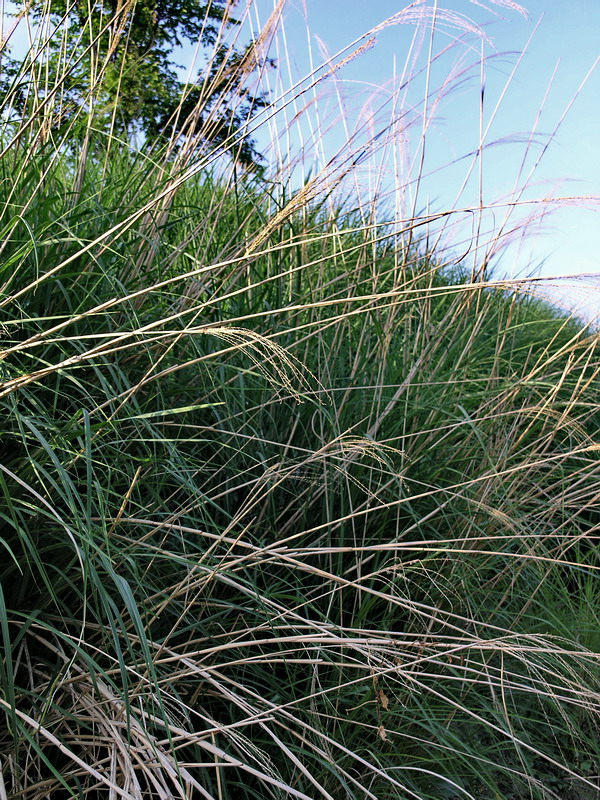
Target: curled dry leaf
x,y
383,699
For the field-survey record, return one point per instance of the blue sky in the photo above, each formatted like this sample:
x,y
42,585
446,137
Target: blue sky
x,y
565,43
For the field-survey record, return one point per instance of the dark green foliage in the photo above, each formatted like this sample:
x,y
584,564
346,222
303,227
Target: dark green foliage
x,y
116,68
187,536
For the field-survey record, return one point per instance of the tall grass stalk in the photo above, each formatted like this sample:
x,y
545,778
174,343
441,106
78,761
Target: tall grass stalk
x,y
292,504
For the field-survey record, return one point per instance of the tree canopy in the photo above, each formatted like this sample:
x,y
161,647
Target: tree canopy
x,y
117,58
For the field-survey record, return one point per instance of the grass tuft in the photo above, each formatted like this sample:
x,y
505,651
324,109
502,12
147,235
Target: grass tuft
x,y
292,504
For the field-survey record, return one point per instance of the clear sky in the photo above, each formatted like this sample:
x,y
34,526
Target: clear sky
x,y
565,44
